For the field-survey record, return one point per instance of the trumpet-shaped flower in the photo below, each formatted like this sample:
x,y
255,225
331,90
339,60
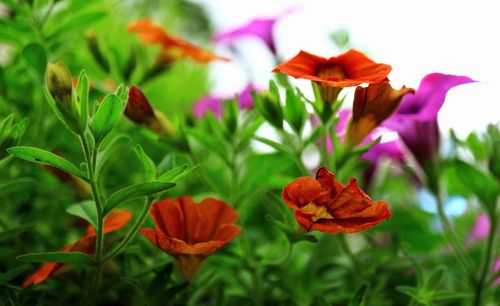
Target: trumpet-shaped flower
x,y
348,69
114,221
416,118
214,104
190,232
173,48
325,205
371,106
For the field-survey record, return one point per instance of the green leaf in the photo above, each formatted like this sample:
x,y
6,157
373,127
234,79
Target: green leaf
x,y
177,173
72,258
14,232
45,157
230,115
135,191
358,297
77,22
12,273
36,57
115,145
482,185
211,143
441,295
295,111
85,210
82,92
107,115
59,111
148,165
410,291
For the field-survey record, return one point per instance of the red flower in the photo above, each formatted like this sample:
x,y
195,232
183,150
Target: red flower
x,y
190,232
173,48
114,221
371,106
325,205
140,111
349,69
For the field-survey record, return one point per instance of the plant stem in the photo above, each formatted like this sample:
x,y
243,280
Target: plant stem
x,y
486,263
90,158
132,232
325,160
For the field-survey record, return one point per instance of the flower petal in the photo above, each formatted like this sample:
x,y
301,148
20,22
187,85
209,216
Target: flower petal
x,y
302,65
301,191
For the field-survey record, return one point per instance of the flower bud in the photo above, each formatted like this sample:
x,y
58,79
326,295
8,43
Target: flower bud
x,y
59,83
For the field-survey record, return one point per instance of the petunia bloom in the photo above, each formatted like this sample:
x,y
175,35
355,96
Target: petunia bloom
x,y
348,69
480,229
114,221
173,48
371,106
325,205
191,232
416,119
139,110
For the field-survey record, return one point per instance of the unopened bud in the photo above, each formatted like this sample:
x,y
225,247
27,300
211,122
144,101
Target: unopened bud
x,y
59,83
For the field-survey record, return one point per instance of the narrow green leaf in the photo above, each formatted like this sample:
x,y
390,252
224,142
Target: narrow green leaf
x,y
357,299
36,57
115,145
45,157
148,165
175,174
106,117
135,191
214,145
481,184
59,111
82,92
85,210
295,111
441,295
18,185
73,258
14,232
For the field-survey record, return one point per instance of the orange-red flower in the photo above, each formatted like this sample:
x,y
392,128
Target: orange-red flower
x,y
190,232
371,106
349,69
173,48
325,205
114,221
140,111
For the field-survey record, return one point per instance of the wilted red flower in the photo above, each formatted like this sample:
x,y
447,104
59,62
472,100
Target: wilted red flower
x,y
325,205
190,232
140,111
114,221
349,69
371,106
173,48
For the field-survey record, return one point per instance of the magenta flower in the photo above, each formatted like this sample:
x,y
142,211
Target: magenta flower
x,y
416,118
496,268
393,150
214,104
208,104
260,28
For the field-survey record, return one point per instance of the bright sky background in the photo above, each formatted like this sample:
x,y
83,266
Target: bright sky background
x,y
414,37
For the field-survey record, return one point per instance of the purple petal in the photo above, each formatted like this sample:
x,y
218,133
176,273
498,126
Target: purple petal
x,y
391,149
208,104
481,228
428,99
496,268
259,28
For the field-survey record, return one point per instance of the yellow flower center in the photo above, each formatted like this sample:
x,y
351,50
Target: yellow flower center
x,y
328,93
321,212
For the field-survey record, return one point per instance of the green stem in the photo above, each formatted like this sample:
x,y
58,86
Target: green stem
x,y
325,160
458,249
90,158
486,263
132,232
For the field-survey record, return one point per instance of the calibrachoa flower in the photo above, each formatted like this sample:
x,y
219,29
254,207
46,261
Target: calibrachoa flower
x,y
114,221
348,69
173,48
325,205
480,230
371,106
416,118
140,111
393,150
190,232
214,104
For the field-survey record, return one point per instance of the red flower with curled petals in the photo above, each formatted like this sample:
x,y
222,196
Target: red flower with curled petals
x,y
325,205
173,48
114,221
190,232
348,69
